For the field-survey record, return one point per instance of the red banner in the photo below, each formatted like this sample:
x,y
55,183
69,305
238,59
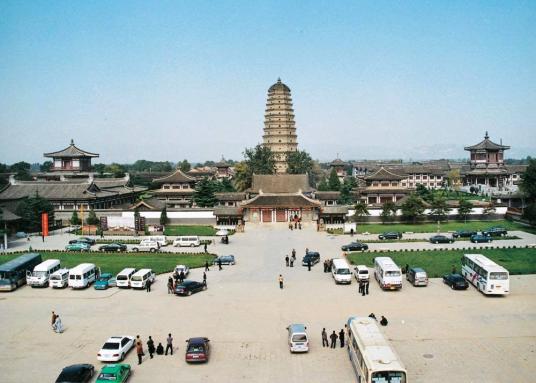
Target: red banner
x,y
44,224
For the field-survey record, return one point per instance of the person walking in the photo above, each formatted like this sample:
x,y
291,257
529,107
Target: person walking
x,y
219,264
170,285
363,289
286,260
294,254
352,232
181,276
169,346
280,279
206,266
341,337
150,347
361,285
58,325
139,349
333,338
367,283
148,285
291,262
205,278
325,342
205,247
54,316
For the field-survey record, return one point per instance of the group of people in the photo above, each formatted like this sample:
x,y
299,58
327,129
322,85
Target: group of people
x,y
333,337
289,261
57,325
158,350
294,223
383,321
328,263
363,286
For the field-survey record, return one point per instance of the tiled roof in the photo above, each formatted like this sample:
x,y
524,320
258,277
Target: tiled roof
x,y
384,174
281,201
8,216
338,162
176,177
227,211
327,195
280,183
149,203
279,86
230,196
334,210
72,152
487,144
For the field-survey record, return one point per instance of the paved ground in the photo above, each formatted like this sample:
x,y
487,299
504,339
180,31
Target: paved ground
x,y
438,333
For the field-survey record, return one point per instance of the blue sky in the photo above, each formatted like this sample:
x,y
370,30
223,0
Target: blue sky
x,y
168,80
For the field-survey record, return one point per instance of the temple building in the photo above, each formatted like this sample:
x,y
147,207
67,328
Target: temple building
x,y
175,189
71,160
279,126
384,186
340,168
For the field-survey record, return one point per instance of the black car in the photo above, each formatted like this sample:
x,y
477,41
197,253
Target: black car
x,y
312,256
89,241
463,234
113,247
197,350
189,287
441,239
355,246
495,231
77,373
390,235
455,281
479,238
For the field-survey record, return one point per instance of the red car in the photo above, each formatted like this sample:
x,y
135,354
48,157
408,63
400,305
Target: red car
x,y
197,350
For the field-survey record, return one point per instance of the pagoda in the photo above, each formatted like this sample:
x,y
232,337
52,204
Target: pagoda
x,y
71,159
279,126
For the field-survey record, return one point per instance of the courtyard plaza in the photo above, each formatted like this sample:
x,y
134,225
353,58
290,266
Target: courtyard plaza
x,y
439,334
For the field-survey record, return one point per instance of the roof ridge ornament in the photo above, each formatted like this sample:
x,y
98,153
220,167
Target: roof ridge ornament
x,y
486,136
72,142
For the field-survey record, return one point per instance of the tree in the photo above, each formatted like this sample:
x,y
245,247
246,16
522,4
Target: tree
x,y
74,218
334,183
242,176
299,162
389,209
45,167
204,193
257,160
454,179
360,210
423,192
226,186
99,168
345,197
92,218
184,166
439,208
412,208
117,170
30,210
528,188
464,208
323,185
22,170
164,220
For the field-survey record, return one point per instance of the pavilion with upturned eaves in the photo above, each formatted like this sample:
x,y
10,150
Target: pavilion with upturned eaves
x,y
71,159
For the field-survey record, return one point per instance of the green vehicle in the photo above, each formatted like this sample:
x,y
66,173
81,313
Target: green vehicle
x,y
104,281
78,246
114,373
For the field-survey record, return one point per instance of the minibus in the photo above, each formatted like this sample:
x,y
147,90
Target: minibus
x,y
123,278
387,273
82,275
341,271
187,241
59,279
40,275
297,338
13,273
140,278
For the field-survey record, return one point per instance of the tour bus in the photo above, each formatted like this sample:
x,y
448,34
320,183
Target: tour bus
x,y
59,279
140,278
487,276
13,273
341,271
82,275
387,273
374,360
41,273
160,239
122,279
187,241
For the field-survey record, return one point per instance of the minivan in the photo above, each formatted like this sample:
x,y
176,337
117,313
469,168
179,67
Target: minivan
x,y
297,338
341,271
59,279
361,273
140,278
161,239
122,279
187,241
417,276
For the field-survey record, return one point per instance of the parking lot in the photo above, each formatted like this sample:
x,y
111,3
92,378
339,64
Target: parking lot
x,y
440,334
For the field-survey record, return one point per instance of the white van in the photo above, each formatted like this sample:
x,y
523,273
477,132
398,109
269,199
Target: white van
x,y
59,279
187,241
82,275
161,239
387,273
146,245
297,338
341,271
361,273
41,273
122,279
140,278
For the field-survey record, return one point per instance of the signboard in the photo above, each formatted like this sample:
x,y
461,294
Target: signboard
x,y
44,224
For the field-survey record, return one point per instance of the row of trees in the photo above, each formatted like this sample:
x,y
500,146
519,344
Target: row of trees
x,y
528,187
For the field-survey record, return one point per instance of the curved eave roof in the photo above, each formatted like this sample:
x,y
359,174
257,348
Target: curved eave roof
x,y
487,144
384,174
175,177
71,152
279,86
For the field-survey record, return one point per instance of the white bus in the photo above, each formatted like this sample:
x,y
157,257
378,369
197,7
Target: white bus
x,y
82,275
387,273
140,278
372,357
486,275
122,280
40,275
160,239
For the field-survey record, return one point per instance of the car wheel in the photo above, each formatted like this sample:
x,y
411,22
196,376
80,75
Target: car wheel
x,y
452,287
136,249
153,250
204,287
189,293
436,242
192,245
122,356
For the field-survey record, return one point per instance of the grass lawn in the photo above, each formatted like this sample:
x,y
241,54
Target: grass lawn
x,y
437,263
115,262
377,228
189,230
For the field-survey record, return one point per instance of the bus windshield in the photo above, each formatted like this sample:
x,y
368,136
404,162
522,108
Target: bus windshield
x,y
39,274
389,377
498,276
392,273
4,275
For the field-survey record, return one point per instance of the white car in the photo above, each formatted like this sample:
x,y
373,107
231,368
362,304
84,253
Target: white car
x,y
183,268
145,245
115,348
361,273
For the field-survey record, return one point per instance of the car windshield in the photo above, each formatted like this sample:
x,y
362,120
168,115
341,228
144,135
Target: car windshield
x,y
55,277
110,346
498,276
106,376
39,274
103,279
392,273
389,377
363,271
136,278
196,348
343,271
299,338
122,277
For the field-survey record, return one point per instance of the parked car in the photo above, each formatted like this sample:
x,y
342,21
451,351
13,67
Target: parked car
x,y
495,231
150,246
455,281
479,238
114,373
76,373
355,246
312,256
113,247
78,246
390,235
463,233
361,273
441,239
189,287
185,269
417,276
225,260
197,350
21,234
89,241
104,281
115,348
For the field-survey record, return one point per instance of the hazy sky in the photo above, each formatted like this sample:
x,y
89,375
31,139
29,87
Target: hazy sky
x,y
168,80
